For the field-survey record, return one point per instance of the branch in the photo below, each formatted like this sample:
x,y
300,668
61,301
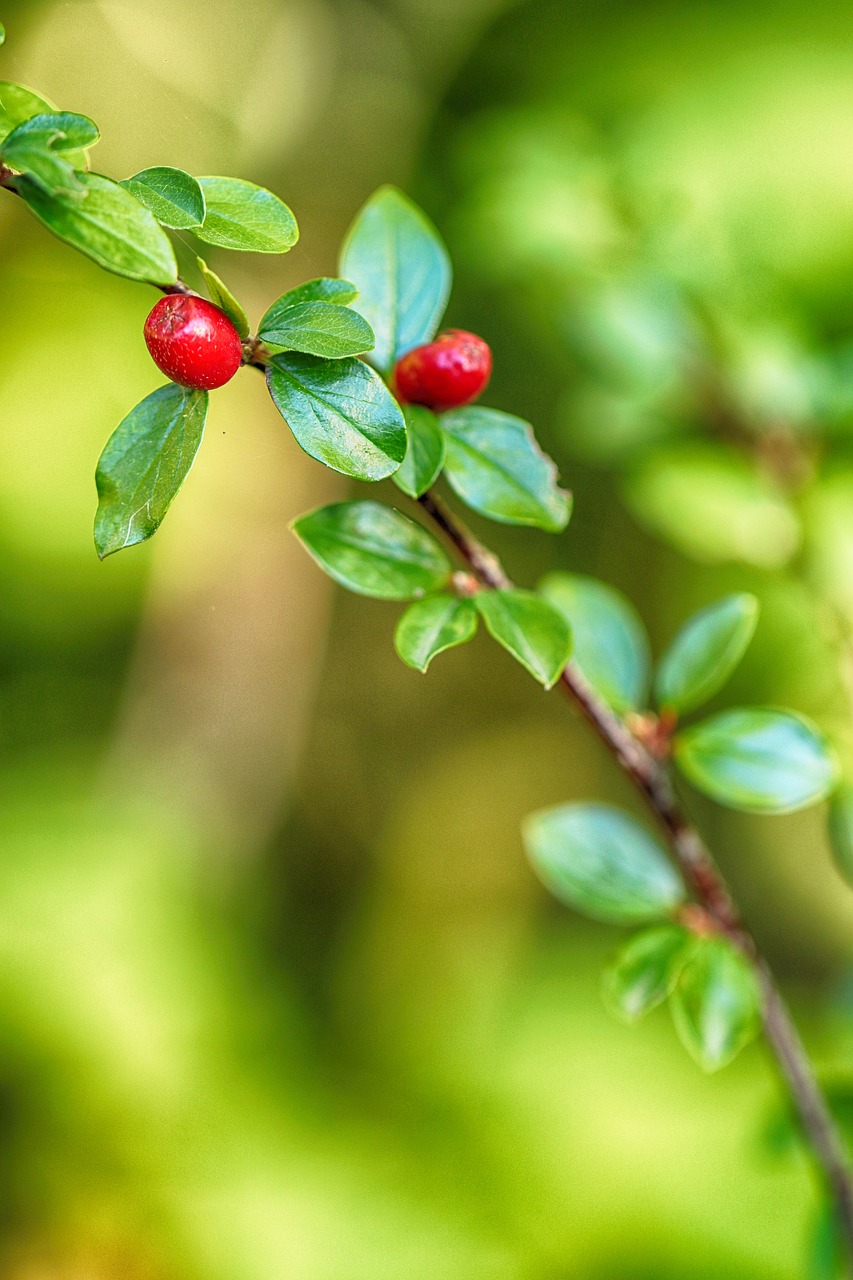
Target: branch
x,y
700,871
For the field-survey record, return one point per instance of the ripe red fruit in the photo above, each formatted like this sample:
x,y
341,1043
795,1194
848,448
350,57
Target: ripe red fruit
x,y
193,342
444,374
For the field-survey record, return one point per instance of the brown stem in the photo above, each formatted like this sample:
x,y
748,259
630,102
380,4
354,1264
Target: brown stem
x,y
700,871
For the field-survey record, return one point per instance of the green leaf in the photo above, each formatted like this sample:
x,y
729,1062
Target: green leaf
x,y
602,862
39,148
712,503
144,464
394,256
705,653
424,458
341,413
432,625
529,628
495,465
245,217
323,289
373,550
224,298
323,329
758,760
109,226
610,643
841,830
2,34
716,1004
175,198
17,104
644,971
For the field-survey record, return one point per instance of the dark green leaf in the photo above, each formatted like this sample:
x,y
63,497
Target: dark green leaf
x,y
841,830
430,626
530,629
602,862
175,198
394,256
644,971
38,146
610,643
224,298
144,464
495,465
109,226
424,458
17,104
341,413
242,216
716,1004
758,760
324,329
323,289
373,550
705,653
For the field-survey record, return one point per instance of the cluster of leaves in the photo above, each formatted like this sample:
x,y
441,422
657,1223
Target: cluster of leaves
x,y
329,370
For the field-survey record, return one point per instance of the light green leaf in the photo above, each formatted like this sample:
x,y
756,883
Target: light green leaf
x,y
224,298
17,104
40,147
324,329
710,502
373,550
841,830
340,412
109,226
602,862
2,34
758,760
644,971
323,289
424,458
242,216
529,628
175,198
705,653
144,464
610,643
495,465
430,626
716,1004
394,256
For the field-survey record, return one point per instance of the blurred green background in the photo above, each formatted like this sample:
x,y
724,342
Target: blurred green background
x,y
279,996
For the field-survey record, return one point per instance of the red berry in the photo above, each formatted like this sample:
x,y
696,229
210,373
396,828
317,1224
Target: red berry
x,y
193,342
444,374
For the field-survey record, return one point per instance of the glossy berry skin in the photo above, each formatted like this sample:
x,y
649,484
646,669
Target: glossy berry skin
x,y
444,374
193,342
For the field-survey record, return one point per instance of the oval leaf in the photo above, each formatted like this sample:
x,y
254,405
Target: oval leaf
x,y
241,216
175,198
224,298
394,256
758,760
424,458
495,465
644,971
110,226
430,626
610,643
323,329
40,147
373,550
323,289
144,464
705,653
716,1003
18,103
341,413
530,629
602,862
